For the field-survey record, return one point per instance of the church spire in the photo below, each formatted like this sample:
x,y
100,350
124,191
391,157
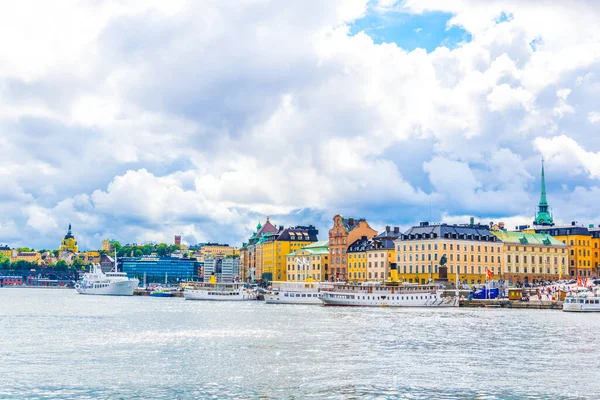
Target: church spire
x,y
543,217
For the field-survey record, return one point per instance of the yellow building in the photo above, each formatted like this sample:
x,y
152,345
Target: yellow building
x,y
90,257
69,243
106,245
357,260
29,256
531,257
381,253
468,249
274,247
212,250
311,261
6,251
583,247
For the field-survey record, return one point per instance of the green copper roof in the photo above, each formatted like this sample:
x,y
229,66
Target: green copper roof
x,y
527,238
316,248
543,216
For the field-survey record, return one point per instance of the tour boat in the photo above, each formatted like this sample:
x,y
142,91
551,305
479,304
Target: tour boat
x,y
219,291
582,302
387,295
112,283
294,293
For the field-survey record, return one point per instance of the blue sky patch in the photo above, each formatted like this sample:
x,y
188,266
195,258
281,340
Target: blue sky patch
x,y
410,31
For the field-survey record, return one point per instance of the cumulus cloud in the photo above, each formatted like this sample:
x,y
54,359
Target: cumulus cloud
x,y
144,119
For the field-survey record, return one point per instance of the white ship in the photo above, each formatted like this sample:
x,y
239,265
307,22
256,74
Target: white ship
x,y
295,293
386,295
219,291
112,283
582,302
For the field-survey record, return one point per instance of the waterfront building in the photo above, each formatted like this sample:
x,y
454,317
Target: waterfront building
x,y
274,248
69,243
581,242
157,269
381,253
344,232
309,263
532,257
470,249
225,268
253,264
216,249
357,259
244,262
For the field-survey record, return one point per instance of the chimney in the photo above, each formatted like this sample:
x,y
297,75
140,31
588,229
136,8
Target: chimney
x,y
472,221
363,238
387,228
396,229
573,223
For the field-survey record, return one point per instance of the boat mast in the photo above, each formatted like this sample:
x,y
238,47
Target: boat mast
x,y
115,261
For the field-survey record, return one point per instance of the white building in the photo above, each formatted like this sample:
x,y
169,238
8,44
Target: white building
x,y
226,269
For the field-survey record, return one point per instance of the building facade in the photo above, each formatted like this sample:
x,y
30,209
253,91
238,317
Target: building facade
x,y
160,269
344,232
253,263
225,268
469,251
275,247
532,257
381,254
309,263
581,247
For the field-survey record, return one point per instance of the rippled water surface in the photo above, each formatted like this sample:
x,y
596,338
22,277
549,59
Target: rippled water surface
x,y
58,344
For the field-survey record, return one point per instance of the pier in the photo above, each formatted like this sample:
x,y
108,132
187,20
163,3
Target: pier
x,y
505,303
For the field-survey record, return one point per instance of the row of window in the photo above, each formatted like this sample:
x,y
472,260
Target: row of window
x,y
374,264
445,246
526,259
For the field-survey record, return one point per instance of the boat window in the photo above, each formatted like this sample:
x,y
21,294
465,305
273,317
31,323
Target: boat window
x,y
297,294
581,301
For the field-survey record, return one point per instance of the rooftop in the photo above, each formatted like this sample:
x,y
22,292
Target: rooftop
x,y
528,238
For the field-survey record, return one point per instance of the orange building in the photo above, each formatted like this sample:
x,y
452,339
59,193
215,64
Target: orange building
x,y
344,232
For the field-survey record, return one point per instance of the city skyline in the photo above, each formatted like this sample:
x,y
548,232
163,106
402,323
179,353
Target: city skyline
x,y
398,112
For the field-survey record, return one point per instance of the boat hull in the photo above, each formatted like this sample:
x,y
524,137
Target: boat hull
x,y
122,288
293,298
161,295
193,294
361,300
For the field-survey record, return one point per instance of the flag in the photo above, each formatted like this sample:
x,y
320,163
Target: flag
x,y
579,281
489,273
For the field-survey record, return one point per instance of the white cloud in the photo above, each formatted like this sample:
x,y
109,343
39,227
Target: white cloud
x,y
141,119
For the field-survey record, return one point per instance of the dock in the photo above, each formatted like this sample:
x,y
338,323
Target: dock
x,y
505,303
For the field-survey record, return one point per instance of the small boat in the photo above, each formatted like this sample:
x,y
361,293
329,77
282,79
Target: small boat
x,y
582,302
295,293
160,292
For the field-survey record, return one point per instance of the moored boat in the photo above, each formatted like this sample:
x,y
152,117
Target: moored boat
x,y
219,291
112,283
582,302
161,292
295,293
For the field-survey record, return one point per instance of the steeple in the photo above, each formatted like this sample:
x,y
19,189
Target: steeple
x,y
543,216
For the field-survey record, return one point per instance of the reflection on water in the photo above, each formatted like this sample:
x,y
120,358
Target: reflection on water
x,y
57,344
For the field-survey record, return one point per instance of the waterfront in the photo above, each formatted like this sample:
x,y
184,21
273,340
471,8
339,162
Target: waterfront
x,y
57,344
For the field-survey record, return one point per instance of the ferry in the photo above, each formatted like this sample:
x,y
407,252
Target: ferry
x,y
112,283
295,293
160,292
582,302
218,291
387,295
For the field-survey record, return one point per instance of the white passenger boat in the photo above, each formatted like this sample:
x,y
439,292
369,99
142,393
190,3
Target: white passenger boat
x,y
582,302
219,292
112,283
387,295
295,293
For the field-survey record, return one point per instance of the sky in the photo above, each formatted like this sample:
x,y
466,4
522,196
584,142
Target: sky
x,y
140,120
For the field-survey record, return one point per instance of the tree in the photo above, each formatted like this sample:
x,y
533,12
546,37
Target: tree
x,y
147,249
24,249
56,253
139,252
186,255
61,266
78,264
173,248
162,249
